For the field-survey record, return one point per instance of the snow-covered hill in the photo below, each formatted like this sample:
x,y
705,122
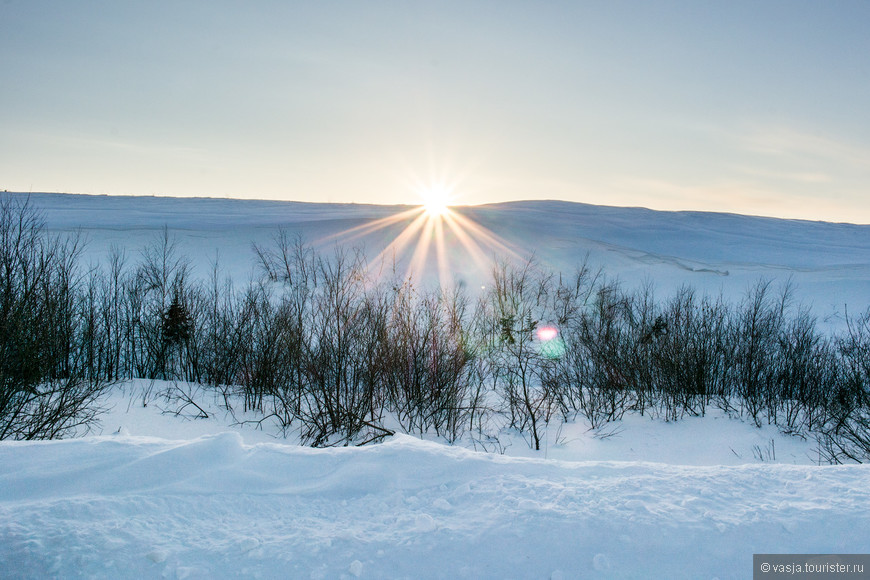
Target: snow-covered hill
x,y
829,263
155,495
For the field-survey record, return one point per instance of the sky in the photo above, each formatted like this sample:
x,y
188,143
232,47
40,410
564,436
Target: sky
x,y
737,106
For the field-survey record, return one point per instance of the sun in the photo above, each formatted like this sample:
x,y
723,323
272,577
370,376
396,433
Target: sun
x,y
433,229
436,200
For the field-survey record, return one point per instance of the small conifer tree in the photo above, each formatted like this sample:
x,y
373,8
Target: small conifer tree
x,y
176,322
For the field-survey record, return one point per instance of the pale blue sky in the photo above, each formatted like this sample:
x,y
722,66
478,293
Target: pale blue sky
x,y
756,107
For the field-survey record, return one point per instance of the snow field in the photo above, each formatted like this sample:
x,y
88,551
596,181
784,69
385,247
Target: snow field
x,y
213,507
174,497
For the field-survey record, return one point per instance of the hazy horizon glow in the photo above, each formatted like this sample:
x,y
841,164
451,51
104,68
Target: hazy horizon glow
x,y
744,107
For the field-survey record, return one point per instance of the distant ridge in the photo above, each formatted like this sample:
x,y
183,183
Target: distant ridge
x,y
828,262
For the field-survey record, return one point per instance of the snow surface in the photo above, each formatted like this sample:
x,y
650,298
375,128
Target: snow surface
x,y
215,507
157,495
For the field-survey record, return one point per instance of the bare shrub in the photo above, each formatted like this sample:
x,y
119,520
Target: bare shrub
x,y
756,328
47,389
516,305
428,373
689,353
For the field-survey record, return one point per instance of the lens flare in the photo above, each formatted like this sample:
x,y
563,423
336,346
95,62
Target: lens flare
x,y
551,346
546,333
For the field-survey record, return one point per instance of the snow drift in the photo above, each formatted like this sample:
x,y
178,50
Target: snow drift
x,y
213,507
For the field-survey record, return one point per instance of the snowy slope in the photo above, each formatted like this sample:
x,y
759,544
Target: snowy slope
x,y
213,507
829,263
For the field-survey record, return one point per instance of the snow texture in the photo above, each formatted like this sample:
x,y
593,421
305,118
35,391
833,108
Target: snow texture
x,y
214,507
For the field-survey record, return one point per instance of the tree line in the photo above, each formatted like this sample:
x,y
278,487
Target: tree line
x,y
337,356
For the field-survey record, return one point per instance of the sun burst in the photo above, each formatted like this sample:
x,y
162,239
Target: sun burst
x,y
436,200
425,234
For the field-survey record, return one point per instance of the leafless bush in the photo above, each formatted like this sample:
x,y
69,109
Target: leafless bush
x,y
519,303
335,329
600,351
46,387
756,327
845,435
688,351
184,400
427,361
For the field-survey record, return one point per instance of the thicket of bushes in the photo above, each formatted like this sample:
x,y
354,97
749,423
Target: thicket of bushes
x,y
339,357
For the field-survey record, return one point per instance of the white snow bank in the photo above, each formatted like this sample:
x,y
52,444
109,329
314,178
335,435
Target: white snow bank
x,y
141,407
213,507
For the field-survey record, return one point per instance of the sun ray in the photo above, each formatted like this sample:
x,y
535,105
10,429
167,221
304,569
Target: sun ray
x,y
431,231
485,234
418,260
472,247
445,278
398,245
365,229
